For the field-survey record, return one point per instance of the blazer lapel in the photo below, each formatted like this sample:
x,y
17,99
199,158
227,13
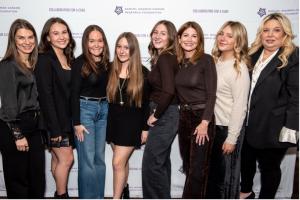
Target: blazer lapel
x,y
59,71
269,68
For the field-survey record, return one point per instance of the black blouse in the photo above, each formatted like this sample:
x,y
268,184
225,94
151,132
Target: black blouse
x,y
18,92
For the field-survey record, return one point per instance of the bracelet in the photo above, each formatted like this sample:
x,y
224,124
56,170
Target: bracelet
x,y
17,134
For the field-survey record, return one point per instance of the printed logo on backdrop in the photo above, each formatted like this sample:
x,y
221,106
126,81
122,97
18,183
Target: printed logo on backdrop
x,y
119,10
77,35
67,9
261,12
289,12
3,34
9,9
210,11
139,10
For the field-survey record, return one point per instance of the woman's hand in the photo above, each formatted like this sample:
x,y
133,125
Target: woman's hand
x,y
79,132
151,120
201,132
228,148
22,144
144,137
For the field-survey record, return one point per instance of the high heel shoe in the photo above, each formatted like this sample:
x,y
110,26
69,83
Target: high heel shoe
x,y
125,193
251,195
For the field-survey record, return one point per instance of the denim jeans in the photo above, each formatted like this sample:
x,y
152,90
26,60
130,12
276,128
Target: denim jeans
x,y
91,152
156,166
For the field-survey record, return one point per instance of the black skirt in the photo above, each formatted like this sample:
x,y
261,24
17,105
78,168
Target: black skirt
x,y
124,125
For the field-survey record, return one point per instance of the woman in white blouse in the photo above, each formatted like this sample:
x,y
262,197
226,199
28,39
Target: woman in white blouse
x,y
230,53
273,107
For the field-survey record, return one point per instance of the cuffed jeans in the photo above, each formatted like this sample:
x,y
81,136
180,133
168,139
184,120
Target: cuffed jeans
x,y
91,152
156,166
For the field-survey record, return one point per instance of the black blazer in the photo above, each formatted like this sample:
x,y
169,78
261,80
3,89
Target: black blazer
x,y
274,102
54,94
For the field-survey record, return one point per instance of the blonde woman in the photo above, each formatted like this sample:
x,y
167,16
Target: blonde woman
x,y
273,107
128,109
230,53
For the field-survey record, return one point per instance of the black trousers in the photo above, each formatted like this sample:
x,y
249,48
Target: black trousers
x,y
195,158
269,161
224,173
24,172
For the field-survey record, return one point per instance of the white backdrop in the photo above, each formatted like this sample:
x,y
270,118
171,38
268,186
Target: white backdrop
x,y
139,16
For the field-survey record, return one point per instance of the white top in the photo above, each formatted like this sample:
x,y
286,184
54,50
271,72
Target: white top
x,y
232,96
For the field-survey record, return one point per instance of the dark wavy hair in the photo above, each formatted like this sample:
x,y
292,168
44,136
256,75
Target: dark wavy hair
x,y
45,45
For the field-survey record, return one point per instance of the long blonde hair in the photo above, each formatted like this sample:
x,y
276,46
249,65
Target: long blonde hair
x,y
135,72
287,46
172,43
240,49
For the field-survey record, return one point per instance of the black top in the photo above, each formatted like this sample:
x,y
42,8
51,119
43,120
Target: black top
x,y
197,84
92,86
54,94
18,92
162,81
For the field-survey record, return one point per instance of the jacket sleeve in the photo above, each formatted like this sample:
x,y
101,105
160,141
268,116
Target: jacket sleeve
x,y
75,91
292,86
44,73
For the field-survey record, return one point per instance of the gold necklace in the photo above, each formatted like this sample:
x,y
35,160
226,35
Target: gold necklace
x,y
120,91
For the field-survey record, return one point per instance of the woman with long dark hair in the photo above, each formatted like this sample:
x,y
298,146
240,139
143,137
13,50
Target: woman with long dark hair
x,y
21,142
53,76
89,111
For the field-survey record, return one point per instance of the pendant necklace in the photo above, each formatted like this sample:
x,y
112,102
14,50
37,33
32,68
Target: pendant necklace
x,y
120,91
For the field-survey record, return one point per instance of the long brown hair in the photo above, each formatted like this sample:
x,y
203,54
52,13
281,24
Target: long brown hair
x,y
90,64
45,45
12,51
200,44
240,49
135,72
287,46
172,43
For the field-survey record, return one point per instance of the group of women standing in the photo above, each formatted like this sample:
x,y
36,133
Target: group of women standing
x,y
213,102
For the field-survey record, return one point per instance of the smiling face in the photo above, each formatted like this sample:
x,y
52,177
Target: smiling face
x,y
188,41
122,50
159,37
95,44
272,35
25,42
225,40
58,36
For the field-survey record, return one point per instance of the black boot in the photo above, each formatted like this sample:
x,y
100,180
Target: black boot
x,y
125,193
61,196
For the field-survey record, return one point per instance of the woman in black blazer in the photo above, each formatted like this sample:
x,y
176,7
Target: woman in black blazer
x,y
273,107
53,75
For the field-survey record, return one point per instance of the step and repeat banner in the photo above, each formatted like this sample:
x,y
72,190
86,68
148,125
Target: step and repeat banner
x,y
139,16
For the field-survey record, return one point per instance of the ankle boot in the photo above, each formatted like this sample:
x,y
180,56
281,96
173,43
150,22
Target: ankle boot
x,y
125,193
61,196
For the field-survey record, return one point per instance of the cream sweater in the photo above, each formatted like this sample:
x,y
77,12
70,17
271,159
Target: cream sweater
x,y
232,97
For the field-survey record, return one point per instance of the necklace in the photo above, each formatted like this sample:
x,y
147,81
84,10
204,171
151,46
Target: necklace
x,y
120,91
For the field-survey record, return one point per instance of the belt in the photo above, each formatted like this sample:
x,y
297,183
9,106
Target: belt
x,y
192,106
93,98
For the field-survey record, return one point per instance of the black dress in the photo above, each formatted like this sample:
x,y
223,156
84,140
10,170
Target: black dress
x,y
125,123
